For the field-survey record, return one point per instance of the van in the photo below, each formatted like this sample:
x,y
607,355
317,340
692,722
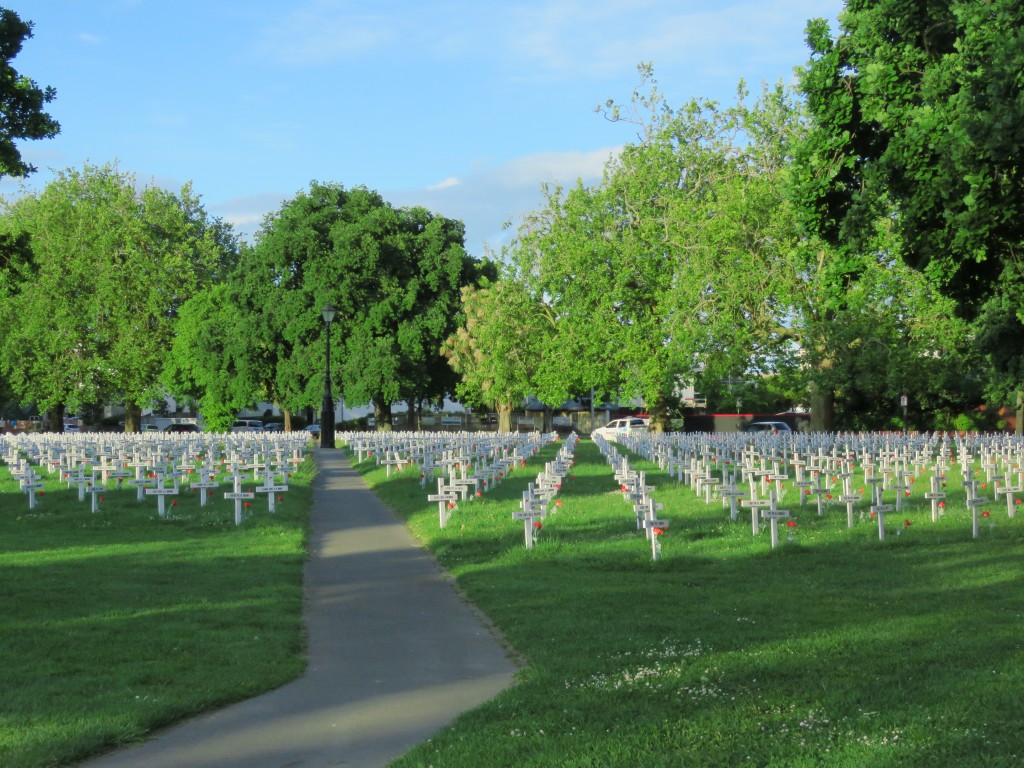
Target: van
x,y
247,425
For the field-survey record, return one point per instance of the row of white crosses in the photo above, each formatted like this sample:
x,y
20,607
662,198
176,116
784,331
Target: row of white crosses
x,y
149,463
464,465
635,489
823,468
542,491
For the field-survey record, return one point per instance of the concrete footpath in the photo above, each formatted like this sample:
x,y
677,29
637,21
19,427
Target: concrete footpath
x,y
394,653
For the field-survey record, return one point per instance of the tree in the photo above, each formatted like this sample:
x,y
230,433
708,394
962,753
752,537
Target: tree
x,y
211,355
498,350
663,271
394,276
21,100
918,113
111,266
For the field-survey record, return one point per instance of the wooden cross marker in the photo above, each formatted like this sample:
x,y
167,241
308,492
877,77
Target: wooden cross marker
x,y
239,496
773,515
879,510
444,497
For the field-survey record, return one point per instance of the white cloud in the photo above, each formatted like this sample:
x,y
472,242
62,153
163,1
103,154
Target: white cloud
x,y
246,213
493,196
451,181
485,199
322,31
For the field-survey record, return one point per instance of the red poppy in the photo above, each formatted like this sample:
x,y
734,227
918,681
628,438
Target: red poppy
x,y
872,515
558,503
659,531
246,505
828,496
479,494
451,505
624,489
102,498
174,502
984,513
537,525
942,505
280,498
791,523
907,523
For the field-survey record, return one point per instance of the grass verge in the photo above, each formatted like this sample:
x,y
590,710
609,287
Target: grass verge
x,y
835,649
116,623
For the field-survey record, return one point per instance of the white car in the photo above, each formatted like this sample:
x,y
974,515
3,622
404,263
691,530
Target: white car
x,y
619,428
777,427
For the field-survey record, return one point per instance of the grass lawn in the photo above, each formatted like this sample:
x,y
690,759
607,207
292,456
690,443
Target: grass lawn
x,y
116,623
834,650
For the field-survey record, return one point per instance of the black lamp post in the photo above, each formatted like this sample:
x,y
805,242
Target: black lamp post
x,y
327,411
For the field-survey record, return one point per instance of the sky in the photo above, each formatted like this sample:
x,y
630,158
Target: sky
x,y
464,107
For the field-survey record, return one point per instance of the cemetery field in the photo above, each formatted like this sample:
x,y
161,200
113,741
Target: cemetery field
x,y
834,649
118,621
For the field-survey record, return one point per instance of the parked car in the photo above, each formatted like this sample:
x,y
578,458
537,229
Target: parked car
x,y
768,426
314,430
620,428
183,427
247,425
273,426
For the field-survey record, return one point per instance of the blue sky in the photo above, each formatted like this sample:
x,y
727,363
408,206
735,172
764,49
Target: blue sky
x,y
461,106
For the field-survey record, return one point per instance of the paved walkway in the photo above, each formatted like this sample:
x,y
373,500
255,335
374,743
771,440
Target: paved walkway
x,y
394,654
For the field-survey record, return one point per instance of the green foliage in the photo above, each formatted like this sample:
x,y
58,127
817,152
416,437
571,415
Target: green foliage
x,y
500,347
918,114
90,318
21,100
394,275
210,357
666,268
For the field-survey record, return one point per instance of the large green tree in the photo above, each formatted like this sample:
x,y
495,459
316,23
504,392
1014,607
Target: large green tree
x,y
918,118
394,276
111,264
212,357
664,270
504,340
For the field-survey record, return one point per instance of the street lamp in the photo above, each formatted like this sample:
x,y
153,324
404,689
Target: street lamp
x,y
327,411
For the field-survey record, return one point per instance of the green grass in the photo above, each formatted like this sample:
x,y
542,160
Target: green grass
x,y
118,622
834,650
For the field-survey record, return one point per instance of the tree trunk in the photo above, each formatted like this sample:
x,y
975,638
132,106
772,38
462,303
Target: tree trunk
x,y
287,419
1018,427
504,416
659,415
546,420
822,408
382,413
133,418
55,418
